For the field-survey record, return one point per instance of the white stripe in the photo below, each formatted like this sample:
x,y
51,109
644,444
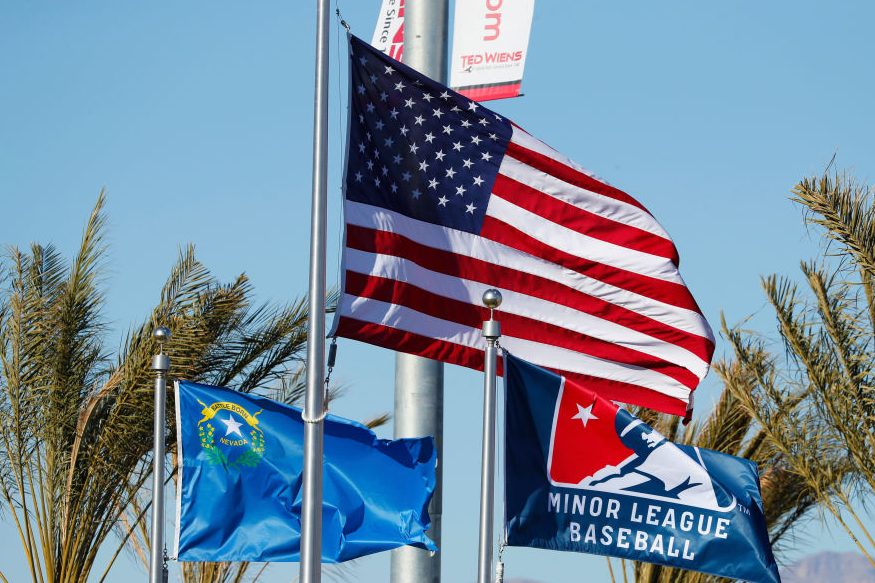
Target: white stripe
x,y
580,245
409,320
477,247
471,292
604,206
527,140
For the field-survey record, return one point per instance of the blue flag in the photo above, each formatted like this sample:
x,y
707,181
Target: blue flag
x,y
584,475
241,462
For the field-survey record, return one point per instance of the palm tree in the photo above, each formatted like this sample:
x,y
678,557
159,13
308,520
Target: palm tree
x,y
290,390
805,415
731,429
75,422
816,401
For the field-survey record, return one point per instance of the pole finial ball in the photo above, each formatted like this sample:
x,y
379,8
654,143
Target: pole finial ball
x,y
161,334
492,298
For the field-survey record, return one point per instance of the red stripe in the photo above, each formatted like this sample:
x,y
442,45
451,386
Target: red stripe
x,y
627,393
583,221
445,262
668,292
513,325
568,174
402,341
492,92
444,351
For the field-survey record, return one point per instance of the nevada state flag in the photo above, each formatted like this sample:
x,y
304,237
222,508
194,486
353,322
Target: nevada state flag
x,y
583,475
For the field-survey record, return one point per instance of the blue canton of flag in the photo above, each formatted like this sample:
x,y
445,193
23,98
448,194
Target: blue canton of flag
x,y
419,149
240,479
583,475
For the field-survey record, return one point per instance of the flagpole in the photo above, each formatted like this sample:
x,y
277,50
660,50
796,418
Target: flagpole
x,y
314,404
160,364
491,332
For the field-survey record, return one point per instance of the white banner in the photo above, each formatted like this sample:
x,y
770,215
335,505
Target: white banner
x,y
389,33
490,42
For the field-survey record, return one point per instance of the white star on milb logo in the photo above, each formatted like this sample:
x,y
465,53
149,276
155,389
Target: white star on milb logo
x,y
585,414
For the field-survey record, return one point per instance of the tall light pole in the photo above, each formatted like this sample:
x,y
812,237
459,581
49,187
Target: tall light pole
x,y
419,382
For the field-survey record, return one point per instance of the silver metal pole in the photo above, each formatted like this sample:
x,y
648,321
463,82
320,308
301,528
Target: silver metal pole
x,y
419,410
160,364
491,332
419,382
314,405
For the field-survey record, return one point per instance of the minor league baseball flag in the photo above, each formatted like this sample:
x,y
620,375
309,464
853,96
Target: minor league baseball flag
x,y
584,475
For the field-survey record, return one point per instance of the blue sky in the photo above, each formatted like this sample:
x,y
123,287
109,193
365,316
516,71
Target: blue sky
x,y
196,116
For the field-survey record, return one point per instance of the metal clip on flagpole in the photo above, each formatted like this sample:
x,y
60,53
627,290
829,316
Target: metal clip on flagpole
x,y
160,364
491,332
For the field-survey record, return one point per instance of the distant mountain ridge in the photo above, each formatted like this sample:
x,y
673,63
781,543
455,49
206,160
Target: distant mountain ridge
x,y
824,567
830,567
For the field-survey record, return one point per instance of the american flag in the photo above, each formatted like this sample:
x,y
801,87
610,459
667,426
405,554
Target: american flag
x,y
445,199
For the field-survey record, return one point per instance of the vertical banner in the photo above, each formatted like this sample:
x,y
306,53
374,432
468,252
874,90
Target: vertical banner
x,y
490,42
389,32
